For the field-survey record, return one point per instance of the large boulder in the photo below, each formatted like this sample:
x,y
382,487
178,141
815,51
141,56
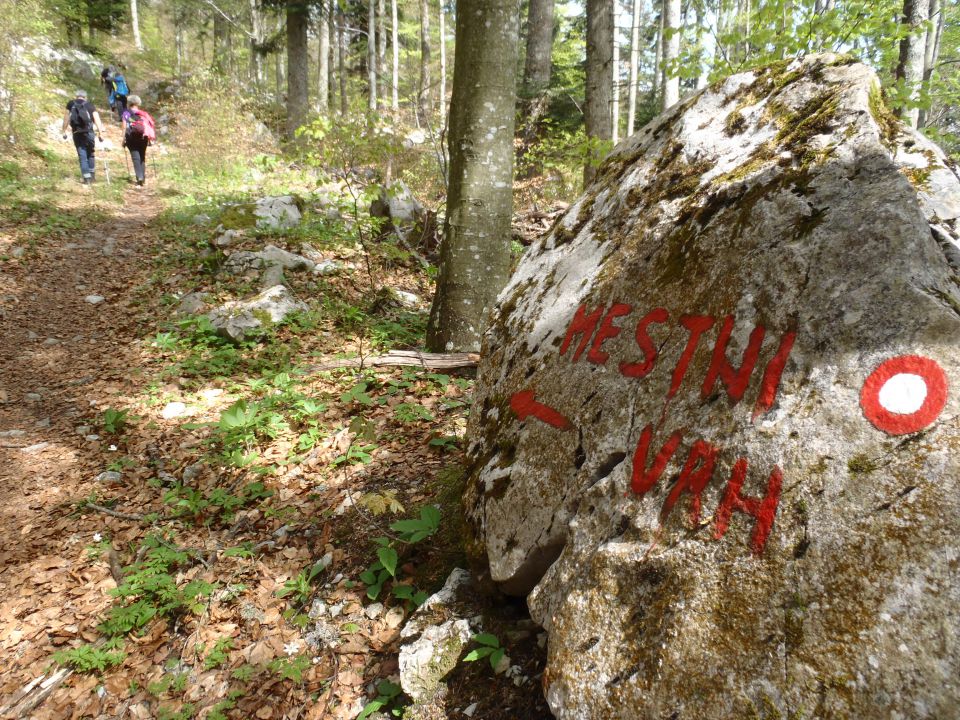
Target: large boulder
x,y
268,213
715,434
242,319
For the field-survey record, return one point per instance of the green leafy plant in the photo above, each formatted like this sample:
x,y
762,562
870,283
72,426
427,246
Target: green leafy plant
x,y
388,694
114,421
301,586
412,412
417,529
90,658
218,653
489,647
290,668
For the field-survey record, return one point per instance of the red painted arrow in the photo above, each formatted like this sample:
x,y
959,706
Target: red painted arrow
x,y
524,405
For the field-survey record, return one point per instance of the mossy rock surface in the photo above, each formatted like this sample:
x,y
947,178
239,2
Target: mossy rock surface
x,y
716,425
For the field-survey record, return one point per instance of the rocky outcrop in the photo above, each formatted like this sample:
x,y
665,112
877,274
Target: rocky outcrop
x,y
715,431
269,213
242,319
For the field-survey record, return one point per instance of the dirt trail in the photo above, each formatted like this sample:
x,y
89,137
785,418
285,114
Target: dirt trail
x,y
57,351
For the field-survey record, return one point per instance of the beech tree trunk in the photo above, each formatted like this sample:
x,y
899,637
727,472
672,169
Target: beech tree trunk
x,y
912,49
443,63
342,59
323,61
931,52
657,58
395,48
221,59
382,51
423,101
298,93
670,93
537,67
599,90
475,254
257,30
615,78
634,68
372,54
333,52
135,24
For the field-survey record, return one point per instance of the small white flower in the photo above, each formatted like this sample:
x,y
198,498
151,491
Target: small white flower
x,y
97,537
292,647
113,448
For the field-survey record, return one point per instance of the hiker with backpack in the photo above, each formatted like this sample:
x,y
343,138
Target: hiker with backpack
x,y
120,93
82,118
106,79
139,130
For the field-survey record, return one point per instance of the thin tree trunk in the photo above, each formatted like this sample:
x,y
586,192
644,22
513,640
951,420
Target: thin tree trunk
x,y
298,61
615,77
443,63
342,60
931,53
423,102
372,55
135,24
657,58
599,90
703,76
912,48
178,42
634,68
395,51
537,67
381,51
323,62
331,52
257,30
671,52
475,254
281,77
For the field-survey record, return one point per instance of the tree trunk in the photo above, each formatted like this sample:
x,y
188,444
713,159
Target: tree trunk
x,y
323,61
599,90
381,51
443,64
257,30
342,60
280,76
657,58
634,68
475,254
221,61
423,101
931,53
615,77
372,55
332,51
135,25
395,51
912,49
537,67
178,41
671,53
298,61
703,77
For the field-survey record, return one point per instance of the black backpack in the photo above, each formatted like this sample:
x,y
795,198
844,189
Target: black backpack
x,y
80,119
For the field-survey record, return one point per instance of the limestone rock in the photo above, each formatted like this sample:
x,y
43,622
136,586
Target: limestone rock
x,y
715,427
193,303
240,319
433,639
277,213
271,260
400,210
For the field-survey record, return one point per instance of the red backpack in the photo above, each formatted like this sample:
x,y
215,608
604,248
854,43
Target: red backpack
x,y
142,125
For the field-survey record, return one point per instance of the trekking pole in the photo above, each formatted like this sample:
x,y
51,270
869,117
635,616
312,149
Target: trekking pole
x,y
126,162
106,167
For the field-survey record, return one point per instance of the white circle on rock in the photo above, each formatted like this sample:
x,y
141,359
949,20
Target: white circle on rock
x,y
903,393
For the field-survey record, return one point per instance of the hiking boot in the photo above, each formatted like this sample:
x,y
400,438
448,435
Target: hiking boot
x,y
87,180
140,183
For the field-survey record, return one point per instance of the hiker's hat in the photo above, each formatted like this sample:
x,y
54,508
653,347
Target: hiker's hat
x,y
81,94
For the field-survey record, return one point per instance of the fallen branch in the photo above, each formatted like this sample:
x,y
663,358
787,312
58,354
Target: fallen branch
x,y
411,358
113,513
34,693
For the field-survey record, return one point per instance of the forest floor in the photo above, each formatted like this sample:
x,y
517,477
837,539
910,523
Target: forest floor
x,y
184,522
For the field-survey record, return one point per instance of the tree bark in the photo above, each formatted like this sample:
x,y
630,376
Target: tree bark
x,y
395,52
615,77
671,52
323,61
931,53
135,24
382,51
332,51
342,60
423,101
912,49
599,90
280,75
258,31
657,58
372,55
634,77
475,254
443,63
298,60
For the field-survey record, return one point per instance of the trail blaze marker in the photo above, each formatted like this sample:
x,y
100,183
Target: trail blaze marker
x,y
904,394
524,405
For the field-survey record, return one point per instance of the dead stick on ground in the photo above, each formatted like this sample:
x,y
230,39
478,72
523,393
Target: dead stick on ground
x,y
409,358
25,702
113,513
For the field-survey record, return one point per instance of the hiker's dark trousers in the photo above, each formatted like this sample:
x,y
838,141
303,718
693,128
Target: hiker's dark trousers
x,y
86,150
138,152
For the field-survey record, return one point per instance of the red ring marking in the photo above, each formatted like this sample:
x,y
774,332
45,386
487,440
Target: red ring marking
x,y
897,423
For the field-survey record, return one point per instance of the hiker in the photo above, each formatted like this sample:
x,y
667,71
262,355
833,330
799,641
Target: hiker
x,y
120,93
106,79
82,118
139,130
